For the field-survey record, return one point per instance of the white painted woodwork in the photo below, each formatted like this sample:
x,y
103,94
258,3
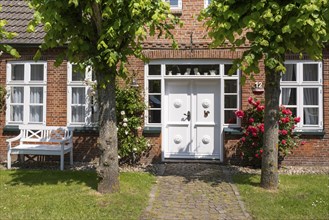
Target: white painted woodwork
x,y
42,140
198,137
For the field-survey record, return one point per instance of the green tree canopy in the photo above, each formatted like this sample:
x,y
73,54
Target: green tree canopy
x,y
102,33
6,35
271,28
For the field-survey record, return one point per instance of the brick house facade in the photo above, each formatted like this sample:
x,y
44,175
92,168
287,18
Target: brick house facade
x,y
160,79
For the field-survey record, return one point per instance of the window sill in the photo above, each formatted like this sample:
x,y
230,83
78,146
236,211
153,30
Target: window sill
x,y
84,130
176,11
11,129
152,130
233,131
311,132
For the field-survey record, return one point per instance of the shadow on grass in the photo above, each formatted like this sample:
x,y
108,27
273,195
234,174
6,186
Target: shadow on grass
x,y
53,177
247,179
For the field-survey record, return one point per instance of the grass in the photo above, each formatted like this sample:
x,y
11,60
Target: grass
x,y
298,197
34,194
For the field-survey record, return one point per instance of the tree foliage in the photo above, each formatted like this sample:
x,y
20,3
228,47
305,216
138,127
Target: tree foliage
x,y
6,35
103,34
270,29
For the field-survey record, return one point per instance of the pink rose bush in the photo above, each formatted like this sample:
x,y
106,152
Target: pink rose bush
x,y
253,129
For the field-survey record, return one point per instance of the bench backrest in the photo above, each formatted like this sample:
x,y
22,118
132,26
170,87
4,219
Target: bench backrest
x,y
38,133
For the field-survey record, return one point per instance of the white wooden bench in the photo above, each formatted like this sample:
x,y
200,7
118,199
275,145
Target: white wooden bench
x,y
42,140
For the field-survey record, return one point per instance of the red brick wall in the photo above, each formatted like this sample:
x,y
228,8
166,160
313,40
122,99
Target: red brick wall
x,y
315,151
84,144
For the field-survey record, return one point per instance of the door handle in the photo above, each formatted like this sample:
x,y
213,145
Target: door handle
x,y
188,115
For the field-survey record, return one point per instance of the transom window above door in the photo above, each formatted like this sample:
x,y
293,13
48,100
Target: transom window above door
x,y
158,71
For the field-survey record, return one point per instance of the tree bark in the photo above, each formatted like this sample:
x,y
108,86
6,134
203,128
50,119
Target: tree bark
x,y
269,174
108,168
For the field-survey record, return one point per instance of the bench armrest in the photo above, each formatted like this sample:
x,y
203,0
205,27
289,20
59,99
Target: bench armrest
x,y
67,140
14,138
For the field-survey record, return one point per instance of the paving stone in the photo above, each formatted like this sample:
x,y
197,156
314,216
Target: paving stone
x,y
194,191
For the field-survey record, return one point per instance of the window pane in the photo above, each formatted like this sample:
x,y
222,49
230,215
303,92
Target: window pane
x,y
289,96
311,96
17,95
154,116
16,113
173,2
37,72
155,101
154,69
230,101
78,96
311,116
36,113
17,72
227,68
310,72
230,117
230,86
77,73
294,111
36,95
290,74
154,86
78,113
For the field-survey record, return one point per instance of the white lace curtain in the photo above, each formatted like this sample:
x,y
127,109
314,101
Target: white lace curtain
x,y
36,98
311,97
17,100
78,104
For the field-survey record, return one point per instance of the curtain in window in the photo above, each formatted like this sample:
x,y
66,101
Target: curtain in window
x,y
78,104
290,74
311,115
17,97
36,97
289,96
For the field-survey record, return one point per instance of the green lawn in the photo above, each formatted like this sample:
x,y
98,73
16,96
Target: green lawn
x,y
45,194
298,197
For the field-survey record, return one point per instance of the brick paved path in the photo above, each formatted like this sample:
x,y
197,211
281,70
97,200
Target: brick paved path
x,y
194,191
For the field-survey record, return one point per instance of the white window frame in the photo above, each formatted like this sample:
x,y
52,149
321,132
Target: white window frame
x,y
300,85
26,84
179,6
163,75
88,99
206,4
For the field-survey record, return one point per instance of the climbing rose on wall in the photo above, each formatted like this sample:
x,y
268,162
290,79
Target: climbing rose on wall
x,y
253,129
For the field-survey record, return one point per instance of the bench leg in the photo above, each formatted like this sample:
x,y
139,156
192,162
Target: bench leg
x,y
71,157
62,162
8,160
22,157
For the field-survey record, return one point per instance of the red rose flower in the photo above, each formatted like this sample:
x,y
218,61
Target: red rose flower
x,y
251,120
250,100
260,108
243,139
303,143
261,151
256,155
239,113
254,134
284,132
297,120
284,142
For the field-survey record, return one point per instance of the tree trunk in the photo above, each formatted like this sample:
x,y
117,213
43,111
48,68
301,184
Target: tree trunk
x,y
108,168
269,175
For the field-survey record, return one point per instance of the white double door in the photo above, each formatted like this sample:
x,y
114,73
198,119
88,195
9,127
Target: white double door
x,y
192,119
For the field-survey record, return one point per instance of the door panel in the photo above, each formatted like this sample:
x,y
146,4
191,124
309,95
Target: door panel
x,y
178,124
196,136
